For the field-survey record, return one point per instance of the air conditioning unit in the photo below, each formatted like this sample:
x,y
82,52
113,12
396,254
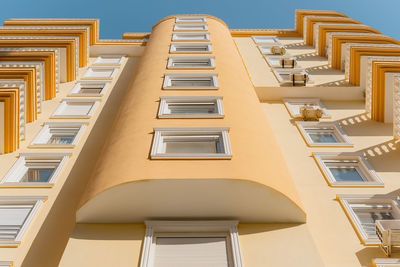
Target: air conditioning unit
x,y
287,62
299,78
311,113
388,232
278,50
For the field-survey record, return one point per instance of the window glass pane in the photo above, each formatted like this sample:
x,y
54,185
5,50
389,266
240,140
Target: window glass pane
x,y
41,175
191,108
90,90
346,174
323,137
368,217
191,82
187,146
61,139
191,49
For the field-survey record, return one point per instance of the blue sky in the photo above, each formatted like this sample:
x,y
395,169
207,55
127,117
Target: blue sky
x,y
119,16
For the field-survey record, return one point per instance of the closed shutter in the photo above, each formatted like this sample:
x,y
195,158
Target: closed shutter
x,y
12,218
191,252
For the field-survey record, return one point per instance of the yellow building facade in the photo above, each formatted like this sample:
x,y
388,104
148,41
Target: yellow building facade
x,y
199,145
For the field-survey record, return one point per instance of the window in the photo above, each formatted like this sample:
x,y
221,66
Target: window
x,y
271,49
100,73
39,169
281,62
323,134
203,243
294,105
109,60
364,210
346,169
191,19
16,213
190,27
89,88
6,264
190,48
190,81
59,134
191,143
191,63
191,107
386,262
190,36
75,108
265,39
292,76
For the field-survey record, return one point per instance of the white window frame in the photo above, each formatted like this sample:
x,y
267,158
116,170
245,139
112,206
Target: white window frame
x,y
202,228
174,46
265,49
258,39
209,60
6,264
371,179
159,133
271,61
87,76
76,89
99,62
331,127
190,19
195,76
59,115
18,170
166,100
386,262
36,201
190,27
305,101
346,201
48,126
185,36
281,79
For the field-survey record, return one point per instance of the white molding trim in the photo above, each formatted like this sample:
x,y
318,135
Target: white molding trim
x,y
191,36
6,264
305,101
190,19
274,61
167,84
13,176
265,49
159,133
386,262
279,72
265,39
58,113
331,127
116,60
166,100
36,201
209,60
206,46
45,135
154,227
190,27
348,159
75,90
88,74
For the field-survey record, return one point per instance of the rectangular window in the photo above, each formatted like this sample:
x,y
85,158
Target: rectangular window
x,y
59,134
365,210
191,107
109,60
346,169
35,170
386,262
272,49
322,134
6,264
191,36
265,39
294,105
75,108
281,62
190,27
89,88
191,63
203,243
190,19
190,81
100,72
191,143
292,76
189,48
16,213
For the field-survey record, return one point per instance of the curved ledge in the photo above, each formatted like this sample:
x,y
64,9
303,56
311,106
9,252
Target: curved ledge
x,y
190,198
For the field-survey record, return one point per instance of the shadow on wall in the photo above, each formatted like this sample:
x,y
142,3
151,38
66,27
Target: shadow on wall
x,y
361,125
383,156
366,255
115,231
